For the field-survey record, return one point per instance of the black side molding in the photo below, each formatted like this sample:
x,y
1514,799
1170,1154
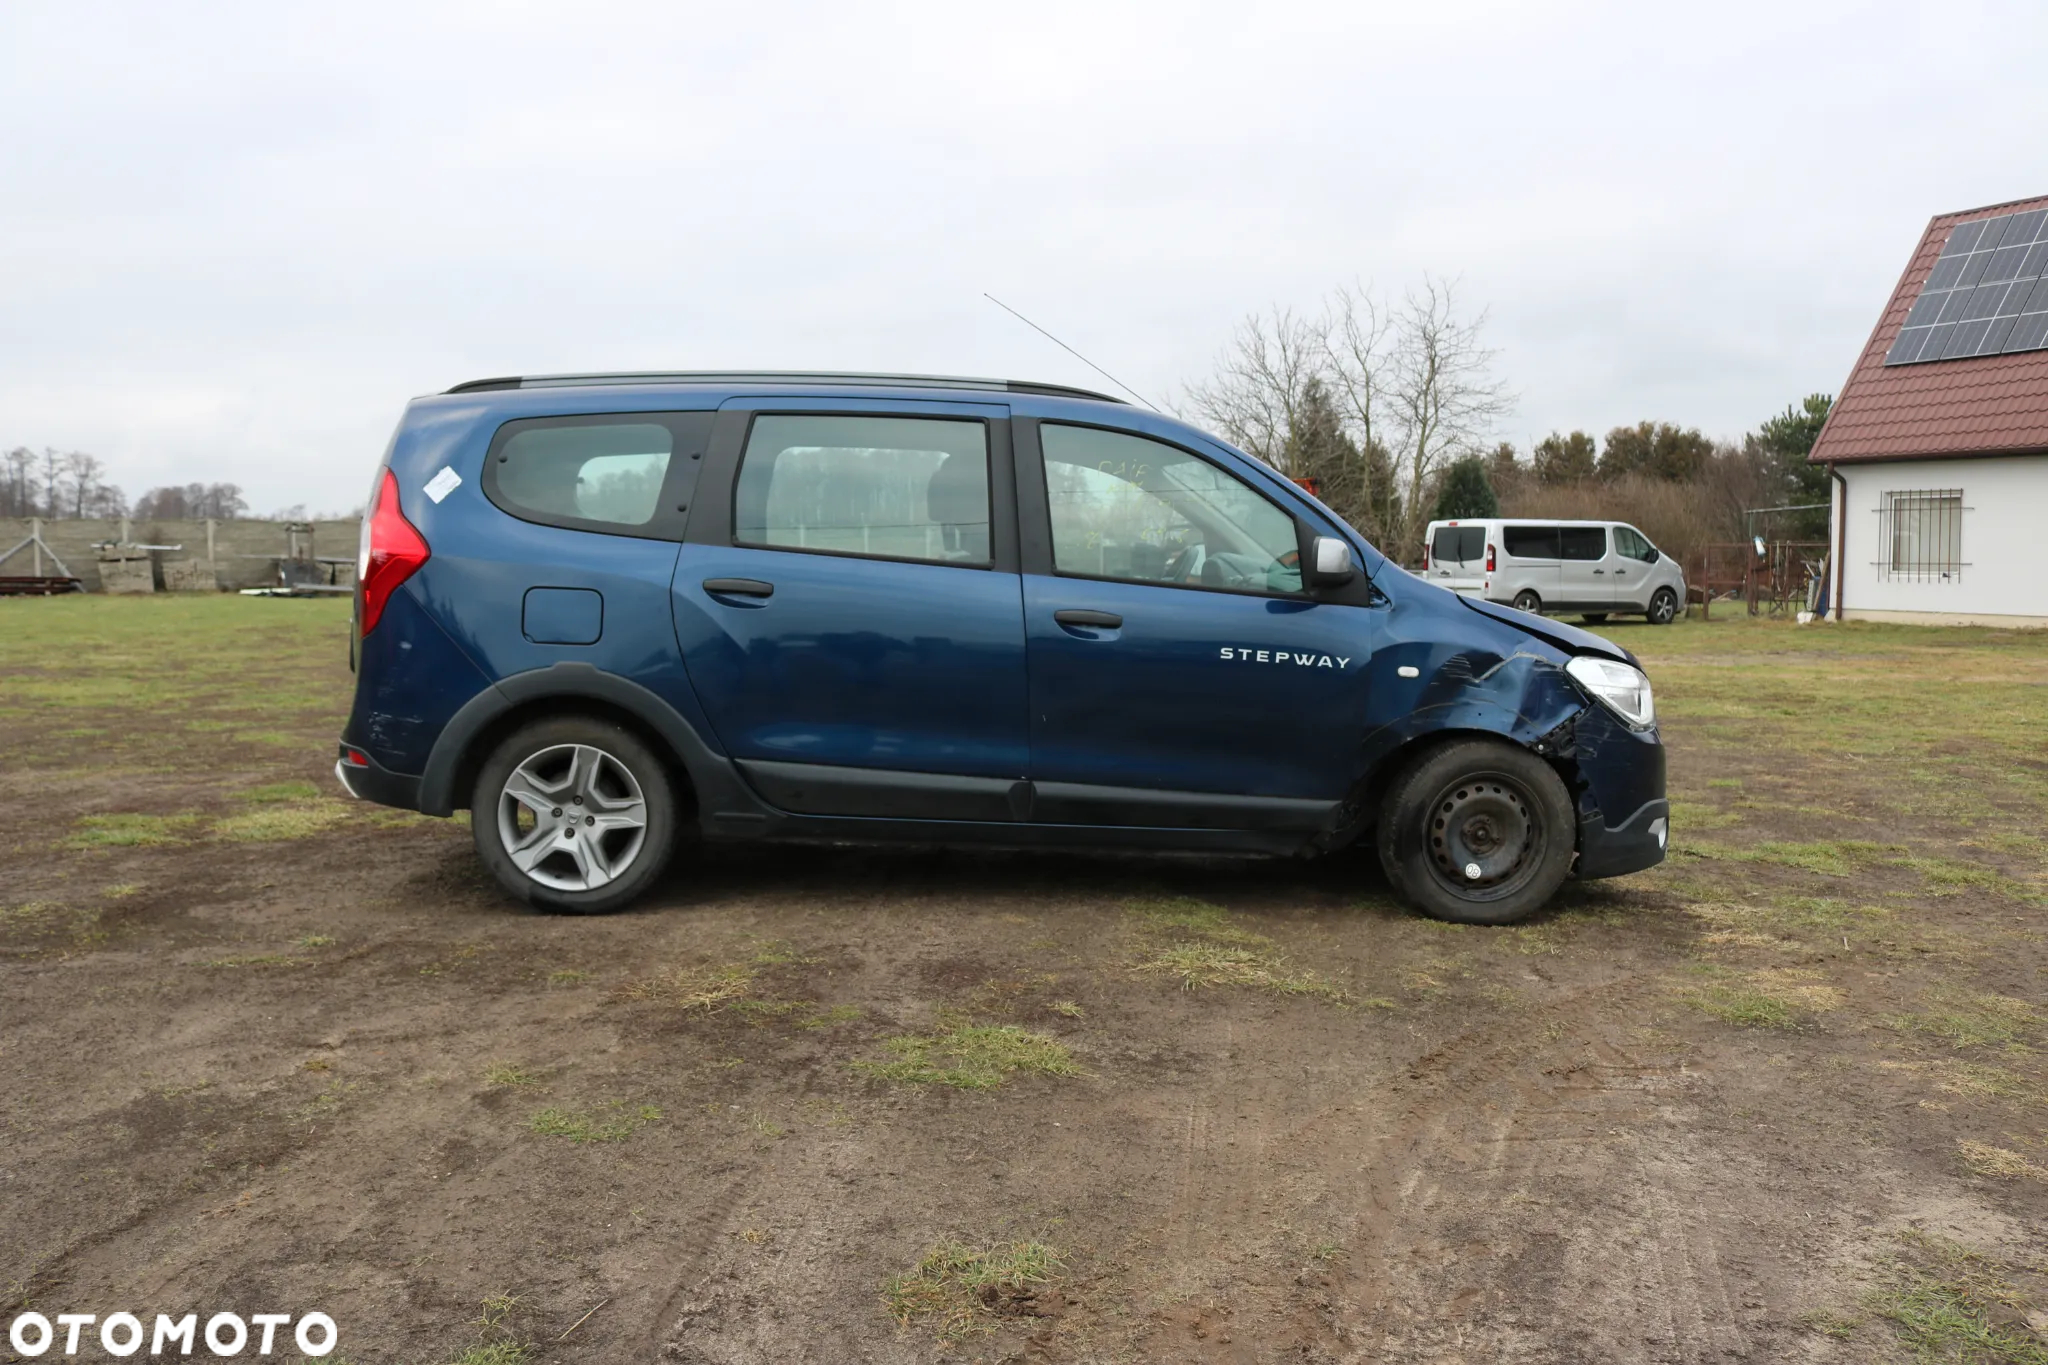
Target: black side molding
x,y
711,773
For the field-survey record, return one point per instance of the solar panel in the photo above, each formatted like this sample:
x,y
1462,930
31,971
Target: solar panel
x,y
1987,294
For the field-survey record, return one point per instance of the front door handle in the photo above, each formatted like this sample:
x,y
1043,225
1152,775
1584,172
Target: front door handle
x,y
1074,616
739,587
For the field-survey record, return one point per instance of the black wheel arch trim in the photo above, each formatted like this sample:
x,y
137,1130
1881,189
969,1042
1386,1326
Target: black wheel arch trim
x,y
710,773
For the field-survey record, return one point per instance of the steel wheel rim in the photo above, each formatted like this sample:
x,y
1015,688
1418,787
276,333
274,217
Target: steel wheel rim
x,y
584,817
1485,823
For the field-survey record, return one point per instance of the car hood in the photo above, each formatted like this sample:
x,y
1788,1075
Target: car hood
x,y
1568,638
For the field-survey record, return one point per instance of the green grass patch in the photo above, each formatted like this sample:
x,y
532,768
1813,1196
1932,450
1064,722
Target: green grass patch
x,y
1945,1303
272,824
1195,965
495,1353
1967,1019
610,1122
281,791
972,1057
509,1076
129,831
1778,998
1197,918
961,1291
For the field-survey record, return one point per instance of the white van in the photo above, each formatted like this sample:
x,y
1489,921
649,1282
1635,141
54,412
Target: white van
x,y
1594,568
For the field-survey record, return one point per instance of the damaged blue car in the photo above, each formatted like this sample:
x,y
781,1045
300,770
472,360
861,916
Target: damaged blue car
x,y
615,615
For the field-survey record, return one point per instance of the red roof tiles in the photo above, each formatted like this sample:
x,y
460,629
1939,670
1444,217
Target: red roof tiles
x,y
1986,405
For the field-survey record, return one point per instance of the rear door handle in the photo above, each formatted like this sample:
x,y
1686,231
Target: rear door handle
x,y
1074,616
739,587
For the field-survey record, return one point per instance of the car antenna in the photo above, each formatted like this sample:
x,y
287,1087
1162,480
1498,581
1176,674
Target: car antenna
x,y
1070,350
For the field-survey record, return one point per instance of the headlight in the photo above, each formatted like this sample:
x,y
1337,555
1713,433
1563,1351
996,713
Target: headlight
x,y
1625,690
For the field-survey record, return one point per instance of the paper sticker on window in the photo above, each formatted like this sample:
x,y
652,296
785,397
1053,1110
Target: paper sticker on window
x,y
442,484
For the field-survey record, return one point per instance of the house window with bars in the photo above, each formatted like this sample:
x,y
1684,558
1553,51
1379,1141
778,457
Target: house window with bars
x,y
1921,533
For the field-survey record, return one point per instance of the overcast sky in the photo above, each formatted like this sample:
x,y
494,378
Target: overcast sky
x,y
234,239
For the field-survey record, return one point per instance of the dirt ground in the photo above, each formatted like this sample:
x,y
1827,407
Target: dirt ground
x,y
1781,1099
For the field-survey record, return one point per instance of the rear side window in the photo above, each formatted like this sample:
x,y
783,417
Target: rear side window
x,y
888,487
1582,542
1530,542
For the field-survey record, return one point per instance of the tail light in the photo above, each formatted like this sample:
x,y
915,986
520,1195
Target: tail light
x,y
1425,556
1489,559
392,551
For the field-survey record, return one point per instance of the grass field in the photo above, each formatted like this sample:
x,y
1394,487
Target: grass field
x,y
1784,1097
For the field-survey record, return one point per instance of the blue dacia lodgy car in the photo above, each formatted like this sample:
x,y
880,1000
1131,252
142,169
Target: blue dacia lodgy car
x,y
604,612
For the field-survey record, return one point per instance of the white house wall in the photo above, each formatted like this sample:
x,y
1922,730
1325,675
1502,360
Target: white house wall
x,y
2004,580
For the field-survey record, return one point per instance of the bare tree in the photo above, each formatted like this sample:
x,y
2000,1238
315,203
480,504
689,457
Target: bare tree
x,y
1256,395
87,475
52,462
20,493
1442,395
1410,383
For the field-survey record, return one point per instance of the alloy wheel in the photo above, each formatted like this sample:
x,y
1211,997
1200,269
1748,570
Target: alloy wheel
x,y
572,817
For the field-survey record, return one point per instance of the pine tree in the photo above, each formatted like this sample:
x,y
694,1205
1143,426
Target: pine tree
x,y
1465,492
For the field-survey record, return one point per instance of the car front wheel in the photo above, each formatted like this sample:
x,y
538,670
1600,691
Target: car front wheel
x,y
1663,607
1478,831
574,814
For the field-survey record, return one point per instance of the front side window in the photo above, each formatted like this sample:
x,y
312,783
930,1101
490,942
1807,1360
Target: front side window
x,y
1130,508
1923,536
1582,542
608,472
893,487
1632,544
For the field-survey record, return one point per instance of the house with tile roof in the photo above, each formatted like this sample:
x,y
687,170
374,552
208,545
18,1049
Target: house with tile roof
x,y
1938,445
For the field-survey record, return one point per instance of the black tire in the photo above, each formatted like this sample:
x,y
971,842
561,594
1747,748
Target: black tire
x,y
1663,607
1527,600
1493,805
1594,618
552,757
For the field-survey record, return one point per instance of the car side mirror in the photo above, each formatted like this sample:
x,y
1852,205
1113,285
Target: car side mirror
x,y
1330,563
1655,555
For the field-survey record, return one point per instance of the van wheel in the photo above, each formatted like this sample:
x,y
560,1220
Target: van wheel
x,y
1663,607
574,814
1527,600
1478,832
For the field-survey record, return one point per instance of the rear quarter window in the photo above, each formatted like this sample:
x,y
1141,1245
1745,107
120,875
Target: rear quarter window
x,y
627,474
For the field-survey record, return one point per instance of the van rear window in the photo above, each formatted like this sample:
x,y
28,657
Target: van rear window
x,y
1458,544
1530,542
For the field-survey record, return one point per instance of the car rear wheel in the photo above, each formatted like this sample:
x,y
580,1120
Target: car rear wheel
x,y
1478,831
1527,600
574,814
1663,607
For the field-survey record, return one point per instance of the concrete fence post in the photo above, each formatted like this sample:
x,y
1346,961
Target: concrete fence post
x,y
126,534
209,542
35,531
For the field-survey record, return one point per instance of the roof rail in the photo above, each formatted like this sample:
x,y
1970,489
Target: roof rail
x,y
894,381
